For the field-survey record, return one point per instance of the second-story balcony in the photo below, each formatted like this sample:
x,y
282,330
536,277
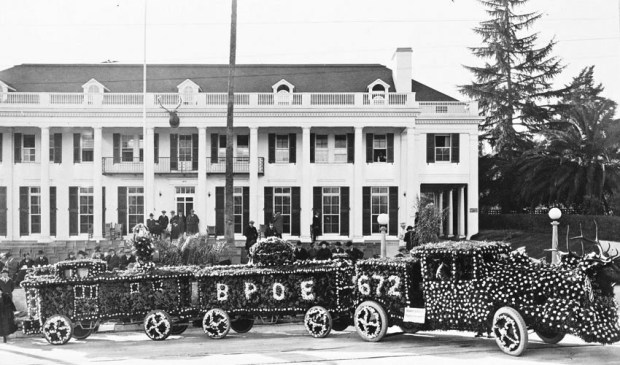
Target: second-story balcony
x,y
241,165
167,165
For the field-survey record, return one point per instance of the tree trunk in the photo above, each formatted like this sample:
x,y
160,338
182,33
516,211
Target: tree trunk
x,y
229,219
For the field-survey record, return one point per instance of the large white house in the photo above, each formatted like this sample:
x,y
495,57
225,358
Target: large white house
x,y
349,141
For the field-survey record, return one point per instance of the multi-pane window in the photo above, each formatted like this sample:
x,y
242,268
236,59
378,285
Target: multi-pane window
x,y
185,199
28,148
243,147
52,147
321,150
282,204
131,147
331,210
379,148
282,148
238,208
188,95
87,146
185,148
86,200
135,206
442,147
35,209
340,148
379,204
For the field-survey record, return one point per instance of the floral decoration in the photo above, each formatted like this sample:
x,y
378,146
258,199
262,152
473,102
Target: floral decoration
x,y
272,251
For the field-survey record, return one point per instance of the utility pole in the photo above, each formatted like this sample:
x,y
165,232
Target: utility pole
x,y
229,218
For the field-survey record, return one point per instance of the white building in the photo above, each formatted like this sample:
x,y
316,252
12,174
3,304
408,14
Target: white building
x,y
350,141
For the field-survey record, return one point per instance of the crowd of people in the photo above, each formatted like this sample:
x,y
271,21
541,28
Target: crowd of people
x,y
175,227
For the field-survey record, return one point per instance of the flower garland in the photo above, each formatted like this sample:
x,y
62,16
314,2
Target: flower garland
x,y
272,251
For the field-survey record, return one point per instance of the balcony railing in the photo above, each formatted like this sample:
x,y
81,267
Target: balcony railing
x,y
241,165
448,108
166,165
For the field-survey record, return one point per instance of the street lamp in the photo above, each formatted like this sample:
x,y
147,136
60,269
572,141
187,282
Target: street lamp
x,y
554,214
383,220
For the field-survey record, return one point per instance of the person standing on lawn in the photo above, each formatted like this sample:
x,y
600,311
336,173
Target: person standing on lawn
x,y
192,223
7,308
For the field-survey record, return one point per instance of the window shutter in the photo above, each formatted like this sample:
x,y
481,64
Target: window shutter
x,y
3,213
174,160
74,210
219,210
430,148
344,210
268,206
156,147
369,140
393,211
317,194
312,137
390,147
57,147
214,146
76,147
350,148
295,211
17,147
366,223
455,139
272,150
53,211
246,207
24,216
116,149
195,152
121,207
103,210
292,148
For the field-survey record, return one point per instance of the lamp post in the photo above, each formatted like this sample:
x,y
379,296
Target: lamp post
x,y
554,214
383,220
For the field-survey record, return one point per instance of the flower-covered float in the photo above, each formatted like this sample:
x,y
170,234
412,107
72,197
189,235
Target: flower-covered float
x,y
484,287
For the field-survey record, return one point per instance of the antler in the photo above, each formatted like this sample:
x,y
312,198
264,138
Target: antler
x,y
166,109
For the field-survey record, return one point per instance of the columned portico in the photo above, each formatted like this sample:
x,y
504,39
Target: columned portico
x,y
357,195
97,184
45,184
306,189
201,190
254,190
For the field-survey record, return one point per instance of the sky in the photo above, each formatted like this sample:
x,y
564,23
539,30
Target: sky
x,y
302,31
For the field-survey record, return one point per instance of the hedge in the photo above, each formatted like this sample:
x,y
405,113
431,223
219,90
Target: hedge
x,y
608,226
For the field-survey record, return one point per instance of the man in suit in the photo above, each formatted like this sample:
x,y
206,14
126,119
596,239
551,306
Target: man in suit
x,y
162,222
192,222
41,260
338,248
353,252
151,225
251,235
126,260
278,223
113,260
324,252
300,252
271,231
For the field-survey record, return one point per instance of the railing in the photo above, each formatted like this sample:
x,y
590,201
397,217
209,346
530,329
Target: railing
x,y
112,165
166,165
448,107
241,165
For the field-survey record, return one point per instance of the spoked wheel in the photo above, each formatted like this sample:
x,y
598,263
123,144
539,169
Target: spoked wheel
x,y
318,322
549,337
179,328
57,329
409,327
216,323
371,321
242,324
341,323
510,331
83,329
157,325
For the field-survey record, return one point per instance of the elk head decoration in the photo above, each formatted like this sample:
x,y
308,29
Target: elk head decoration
x,y
174,117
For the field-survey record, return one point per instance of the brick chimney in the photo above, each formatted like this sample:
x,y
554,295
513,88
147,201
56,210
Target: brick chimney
x,y
402,69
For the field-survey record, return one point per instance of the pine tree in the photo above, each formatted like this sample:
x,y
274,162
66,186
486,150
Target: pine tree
x,y
515,79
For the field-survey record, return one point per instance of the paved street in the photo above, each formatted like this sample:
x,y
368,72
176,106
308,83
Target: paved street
x,y
289,343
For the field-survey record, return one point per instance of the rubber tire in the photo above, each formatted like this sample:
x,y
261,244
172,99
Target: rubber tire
x,y
226,323
165,316
328,318
242,324
341,324
56,318
550,338
409,327
81,333
380,316
521,329
179,328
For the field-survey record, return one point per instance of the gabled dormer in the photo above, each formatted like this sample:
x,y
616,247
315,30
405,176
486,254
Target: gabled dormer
x,y
188,90
283,91
377,91
4,89
93,92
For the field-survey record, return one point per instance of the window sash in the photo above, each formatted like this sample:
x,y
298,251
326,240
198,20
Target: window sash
x,y
442,148
379,204
331,210
86,209
135,206
282,204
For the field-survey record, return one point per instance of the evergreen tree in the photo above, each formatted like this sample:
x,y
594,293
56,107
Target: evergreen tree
x,y
515,79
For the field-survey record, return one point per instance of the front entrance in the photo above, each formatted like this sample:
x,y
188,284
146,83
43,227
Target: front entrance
x,y
185,199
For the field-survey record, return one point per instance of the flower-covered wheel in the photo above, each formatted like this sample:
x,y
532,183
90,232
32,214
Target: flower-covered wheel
x,y
157,325
318,322
242,324
216,323
57,329
371,321
83,329
510,331
550,337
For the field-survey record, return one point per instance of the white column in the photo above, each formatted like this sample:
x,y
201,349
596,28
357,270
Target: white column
x,y
306,184
149,172
441,216
413,185
200,206
356,195
254,190
461,212
472,186
45,184
98,183
450,217
12,199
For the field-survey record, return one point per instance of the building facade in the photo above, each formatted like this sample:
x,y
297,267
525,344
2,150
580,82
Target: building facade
x,y
82,148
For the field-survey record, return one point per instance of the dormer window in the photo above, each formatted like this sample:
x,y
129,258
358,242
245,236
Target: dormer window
x,y
188,91
283,91
93,92
377,92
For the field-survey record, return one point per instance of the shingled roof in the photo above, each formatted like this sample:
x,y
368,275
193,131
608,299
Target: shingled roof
x,y
122,78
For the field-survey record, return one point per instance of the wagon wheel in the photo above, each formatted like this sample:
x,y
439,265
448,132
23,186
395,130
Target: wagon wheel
x,y
83,329
242,324
550,337
216,323
341,323
510,331
178,328
318,322
371,321
57,329
157,325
